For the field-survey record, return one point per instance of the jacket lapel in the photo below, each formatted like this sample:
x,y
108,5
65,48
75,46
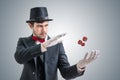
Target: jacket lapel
x,y
44,56
32,43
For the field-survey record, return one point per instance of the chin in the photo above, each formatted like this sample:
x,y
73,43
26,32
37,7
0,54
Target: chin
x,y
41,36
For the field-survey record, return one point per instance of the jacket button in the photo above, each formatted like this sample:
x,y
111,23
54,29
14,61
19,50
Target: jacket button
x,y
33,73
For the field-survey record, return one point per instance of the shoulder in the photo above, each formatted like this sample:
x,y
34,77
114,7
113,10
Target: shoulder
x,y
25,41
25,38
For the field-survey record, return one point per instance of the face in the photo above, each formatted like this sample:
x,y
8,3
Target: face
x,y
39,29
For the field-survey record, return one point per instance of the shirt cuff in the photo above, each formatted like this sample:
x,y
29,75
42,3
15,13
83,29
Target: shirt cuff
x,y
80,69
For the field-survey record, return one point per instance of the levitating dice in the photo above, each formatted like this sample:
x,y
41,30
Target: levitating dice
x,y
82,42
84,38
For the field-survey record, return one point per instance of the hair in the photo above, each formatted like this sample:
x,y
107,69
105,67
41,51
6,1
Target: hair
x,y
36,22
31,23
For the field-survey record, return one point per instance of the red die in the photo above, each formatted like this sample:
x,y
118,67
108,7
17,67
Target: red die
x,y
84,38
79,42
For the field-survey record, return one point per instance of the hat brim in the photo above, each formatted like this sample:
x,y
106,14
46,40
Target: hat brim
x,y
29,21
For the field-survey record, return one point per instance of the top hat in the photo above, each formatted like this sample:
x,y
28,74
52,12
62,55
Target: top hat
x,y
38,14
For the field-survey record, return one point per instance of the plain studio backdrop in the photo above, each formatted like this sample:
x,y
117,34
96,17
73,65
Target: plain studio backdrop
x,y
99,20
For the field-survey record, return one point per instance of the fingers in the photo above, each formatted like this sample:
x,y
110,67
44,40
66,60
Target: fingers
x,y
86,55
92,56
54,41
57,37
60,35
97,54
88,58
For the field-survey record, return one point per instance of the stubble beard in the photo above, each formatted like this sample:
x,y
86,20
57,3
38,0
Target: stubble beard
x,y
40,36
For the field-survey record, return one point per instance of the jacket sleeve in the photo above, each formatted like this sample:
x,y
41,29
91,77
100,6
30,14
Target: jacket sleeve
x,y
24,53
67,71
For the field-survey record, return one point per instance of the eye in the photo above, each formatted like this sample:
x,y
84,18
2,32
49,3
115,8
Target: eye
x,y
46,25
39,25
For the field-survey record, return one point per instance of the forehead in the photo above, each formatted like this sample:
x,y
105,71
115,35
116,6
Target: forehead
x,y
41,23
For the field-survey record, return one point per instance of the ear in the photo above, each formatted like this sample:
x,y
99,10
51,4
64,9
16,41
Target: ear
x,y
30,25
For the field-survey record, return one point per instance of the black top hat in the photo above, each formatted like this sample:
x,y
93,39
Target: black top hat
x,y
38,14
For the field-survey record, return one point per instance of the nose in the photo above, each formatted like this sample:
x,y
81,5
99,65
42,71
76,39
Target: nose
x,y
43,28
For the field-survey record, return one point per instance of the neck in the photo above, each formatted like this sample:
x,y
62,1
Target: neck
x,y
40,37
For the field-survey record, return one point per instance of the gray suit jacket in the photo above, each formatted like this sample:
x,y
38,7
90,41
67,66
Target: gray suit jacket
x,y
54,58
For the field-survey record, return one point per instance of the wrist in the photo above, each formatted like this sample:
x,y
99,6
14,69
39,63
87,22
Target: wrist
x,y
43,48
80,69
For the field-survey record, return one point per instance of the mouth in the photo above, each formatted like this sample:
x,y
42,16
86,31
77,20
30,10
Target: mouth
x,y
43,35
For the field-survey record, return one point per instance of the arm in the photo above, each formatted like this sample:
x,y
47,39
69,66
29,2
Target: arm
x,y
67,71
24,53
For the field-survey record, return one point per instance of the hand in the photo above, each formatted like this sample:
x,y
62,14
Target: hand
x,y
87,59
53,41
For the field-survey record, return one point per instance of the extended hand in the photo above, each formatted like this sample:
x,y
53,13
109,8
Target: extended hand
x,y
53,41
87,59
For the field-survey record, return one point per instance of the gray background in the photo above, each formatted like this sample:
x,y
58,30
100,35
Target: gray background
x,y
99,20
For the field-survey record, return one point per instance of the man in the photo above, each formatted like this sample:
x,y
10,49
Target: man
x,y
42,55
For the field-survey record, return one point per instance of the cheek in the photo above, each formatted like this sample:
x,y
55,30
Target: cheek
x,y
37,30
46,29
